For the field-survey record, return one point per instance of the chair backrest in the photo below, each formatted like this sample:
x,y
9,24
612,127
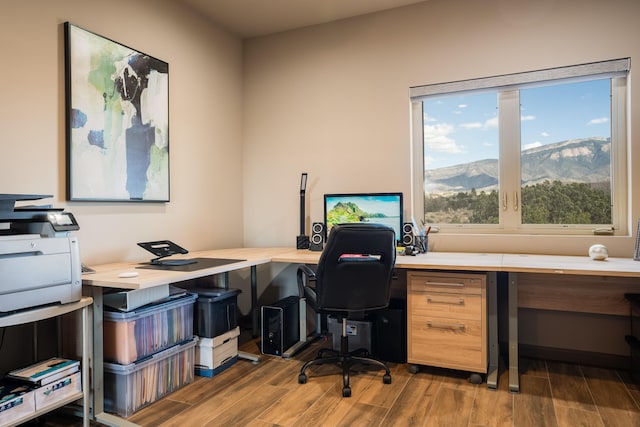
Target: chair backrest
x,y
355,268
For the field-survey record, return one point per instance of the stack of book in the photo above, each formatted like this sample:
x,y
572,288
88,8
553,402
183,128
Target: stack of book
x,y
46,372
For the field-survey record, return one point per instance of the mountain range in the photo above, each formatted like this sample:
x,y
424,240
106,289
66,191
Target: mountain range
x,y
584,160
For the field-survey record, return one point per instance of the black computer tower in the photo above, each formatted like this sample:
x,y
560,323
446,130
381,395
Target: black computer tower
x,y
390,332
280,325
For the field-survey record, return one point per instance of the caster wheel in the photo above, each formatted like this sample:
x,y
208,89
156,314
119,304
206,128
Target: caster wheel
x,y
302,379
475,379
413,369
386,379
346,392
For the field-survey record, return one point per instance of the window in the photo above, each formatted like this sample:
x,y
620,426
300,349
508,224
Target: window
x,y
536,152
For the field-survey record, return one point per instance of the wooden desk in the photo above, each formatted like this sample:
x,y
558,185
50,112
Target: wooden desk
x,y
551,264
492,263
108,276
449,261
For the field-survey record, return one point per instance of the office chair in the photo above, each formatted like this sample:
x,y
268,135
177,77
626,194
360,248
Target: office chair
x,y
353,276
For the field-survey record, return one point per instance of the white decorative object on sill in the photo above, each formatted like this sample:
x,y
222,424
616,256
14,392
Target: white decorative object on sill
x,y
598,252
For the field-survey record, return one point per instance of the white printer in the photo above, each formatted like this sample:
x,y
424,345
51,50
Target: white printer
x,y
39,259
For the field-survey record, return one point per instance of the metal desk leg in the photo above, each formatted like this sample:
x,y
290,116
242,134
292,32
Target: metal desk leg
x,y
494,349
86,348
98,367
254,315
97,373
224,280
254,301
514,379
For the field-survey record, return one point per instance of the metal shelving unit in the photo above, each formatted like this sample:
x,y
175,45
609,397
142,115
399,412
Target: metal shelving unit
x,y
47,312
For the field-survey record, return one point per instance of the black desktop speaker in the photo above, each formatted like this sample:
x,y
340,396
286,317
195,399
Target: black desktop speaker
x,y
317,236
407,234
280,326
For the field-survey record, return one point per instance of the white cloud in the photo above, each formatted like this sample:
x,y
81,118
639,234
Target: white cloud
x,y
462,106
527,118
488,124
492,123
598,121
437,139
544,134
428,118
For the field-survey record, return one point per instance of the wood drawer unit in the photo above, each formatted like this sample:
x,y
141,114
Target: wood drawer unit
x,y
447,320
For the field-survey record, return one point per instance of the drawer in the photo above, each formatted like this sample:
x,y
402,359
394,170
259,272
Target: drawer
x,y
446,305
447,342
444,282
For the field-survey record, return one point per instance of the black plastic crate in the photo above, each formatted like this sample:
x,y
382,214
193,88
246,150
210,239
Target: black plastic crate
x,y
216,311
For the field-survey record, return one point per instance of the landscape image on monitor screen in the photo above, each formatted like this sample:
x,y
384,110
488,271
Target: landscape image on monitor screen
x,y
384,208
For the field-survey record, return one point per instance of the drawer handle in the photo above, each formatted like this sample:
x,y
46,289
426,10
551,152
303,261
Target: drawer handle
x,y
445,301
438,325
459,285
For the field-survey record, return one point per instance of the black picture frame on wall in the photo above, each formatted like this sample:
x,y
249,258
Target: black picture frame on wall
x,y
117,120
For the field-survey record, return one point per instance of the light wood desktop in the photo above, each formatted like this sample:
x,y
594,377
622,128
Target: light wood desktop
x,y
492,263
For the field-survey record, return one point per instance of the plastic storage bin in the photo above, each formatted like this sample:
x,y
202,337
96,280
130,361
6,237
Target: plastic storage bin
x,y
128,388
133,335
216,311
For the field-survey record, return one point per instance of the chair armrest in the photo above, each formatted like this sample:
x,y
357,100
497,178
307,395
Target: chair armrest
x,y
304,275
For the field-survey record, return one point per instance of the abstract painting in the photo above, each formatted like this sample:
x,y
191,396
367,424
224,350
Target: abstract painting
x,y
117,111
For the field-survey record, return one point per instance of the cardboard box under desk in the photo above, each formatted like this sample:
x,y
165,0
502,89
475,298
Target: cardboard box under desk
x,y
214,355
56,391
16,401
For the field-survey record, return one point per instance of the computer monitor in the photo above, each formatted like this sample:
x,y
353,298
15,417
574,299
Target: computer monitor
x,y
381,208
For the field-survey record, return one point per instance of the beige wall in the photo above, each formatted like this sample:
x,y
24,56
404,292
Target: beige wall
x,y
332,101
205,90
247,118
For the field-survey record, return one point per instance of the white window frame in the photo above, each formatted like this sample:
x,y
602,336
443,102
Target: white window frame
x,y
508,86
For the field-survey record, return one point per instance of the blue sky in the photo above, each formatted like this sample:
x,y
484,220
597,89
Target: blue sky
x,y
463,129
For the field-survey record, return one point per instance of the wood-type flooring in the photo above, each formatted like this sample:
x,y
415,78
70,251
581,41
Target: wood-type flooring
x,y
268,394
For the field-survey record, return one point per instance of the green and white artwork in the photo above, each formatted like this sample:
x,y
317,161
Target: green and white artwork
x,y
117,121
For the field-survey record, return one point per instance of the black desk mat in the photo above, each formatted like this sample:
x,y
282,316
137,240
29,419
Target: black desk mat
x,y
199,264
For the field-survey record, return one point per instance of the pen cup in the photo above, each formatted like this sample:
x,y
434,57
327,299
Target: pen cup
x,y
422,243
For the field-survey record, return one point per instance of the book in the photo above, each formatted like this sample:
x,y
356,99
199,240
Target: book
x,y
46,372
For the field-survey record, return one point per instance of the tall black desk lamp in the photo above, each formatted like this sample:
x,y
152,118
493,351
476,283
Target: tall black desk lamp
x,y
302,241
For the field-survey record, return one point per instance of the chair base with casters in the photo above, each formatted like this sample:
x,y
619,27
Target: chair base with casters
x,y
346,359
